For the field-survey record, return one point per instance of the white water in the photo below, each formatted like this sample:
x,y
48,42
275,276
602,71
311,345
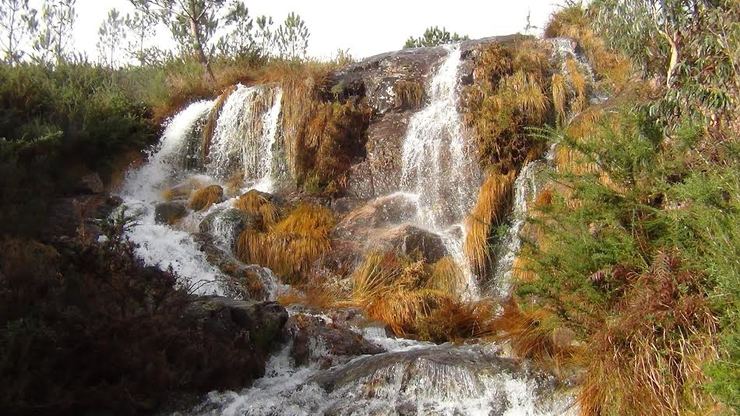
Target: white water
x,y
244,137
439,167
411,378
160,245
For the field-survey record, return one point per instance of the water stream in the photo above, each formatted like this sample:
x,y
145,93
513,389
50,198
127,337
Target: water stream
x,y
438,166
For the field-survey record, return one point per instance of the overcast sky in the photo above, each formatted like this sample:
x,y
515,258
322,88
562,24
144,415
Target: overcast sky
x,y
364,27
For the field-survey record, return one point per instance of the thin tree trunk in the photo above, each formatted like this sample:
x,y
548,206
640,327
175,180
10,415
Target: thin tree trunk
x,y
195,33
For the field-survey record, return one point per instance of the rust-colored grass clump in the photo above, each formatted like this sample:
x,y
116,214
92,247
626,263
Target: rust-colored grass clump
x,y
494,200
409,95
653,351
414,298
510,93
205,197
291,245
259,204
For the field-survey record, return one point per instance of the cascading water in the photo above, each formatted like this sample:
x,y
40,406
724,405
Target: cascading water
x,y
157,244
438,167
244,139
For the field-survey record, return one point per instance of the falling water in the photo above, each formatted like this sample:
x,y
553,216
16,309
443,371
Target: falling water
x,y
438,167
157,244
244,138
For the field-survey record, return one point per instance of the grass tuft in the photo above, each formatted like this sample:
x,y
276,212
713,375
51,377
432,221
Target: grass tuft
x,y
205,197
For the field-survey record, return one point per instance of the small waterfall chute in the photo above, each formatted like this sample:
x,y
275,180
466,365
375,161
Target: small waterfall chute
x,y
437,165
245,135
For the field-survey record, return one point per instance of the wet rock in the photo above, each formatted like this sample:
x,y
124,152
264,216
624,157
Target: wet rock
x,y
419,381
227,224
169,212
329,344
256,325
246,281
380,212
393,86
411,241
65,217
90,184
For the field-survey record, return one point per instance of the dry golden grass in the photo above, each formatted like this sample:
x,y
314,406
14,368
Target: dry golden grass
x,y
648,359
210,125
524,92
559,95
416,299
446,276
259,204
205,197
531,334
292,245
408,94
494,199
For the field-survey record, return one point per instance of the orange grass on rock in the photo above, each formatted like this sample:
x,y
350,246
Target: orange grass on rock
x,y
490,209
256,203
413,298
293,244
205,197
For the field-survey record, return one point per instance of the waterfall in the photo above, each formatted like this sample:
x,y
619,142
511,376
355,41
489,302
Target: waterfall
x,y
437,165
157,244
526,187
244,139
169,157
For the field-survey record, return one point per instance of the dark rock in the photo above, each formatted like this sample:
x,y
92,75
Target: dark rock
x,y
432,374
258,325
247,281
227,224
169,212
329,344
90,184
411,241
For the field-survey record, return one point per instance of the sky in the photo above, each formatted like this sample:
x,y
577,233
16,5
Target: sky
x,y
364,27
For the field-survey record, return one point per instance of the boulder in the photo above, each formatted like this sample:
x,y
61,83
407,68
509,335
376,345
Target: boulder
x,y
89,184
411,241
169,212
256,325
380,212
226,225
317,341
247,281
426,380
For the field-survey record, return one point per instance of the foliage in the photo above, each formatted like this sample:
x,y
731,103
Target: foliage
x,y
18,24
56,124
512,95
89,329
434,36
205,197
289,246
110,38
414,298
291,38
53,41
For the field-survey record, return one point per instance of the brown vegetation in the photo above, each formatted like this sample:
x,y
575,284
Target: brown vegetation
x,y
494,201
291,245
205,197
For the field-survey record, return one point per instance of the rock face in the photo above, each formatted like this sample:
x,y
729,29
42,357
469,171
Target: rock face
x,y
380,212
315,340
90,184
169,212
411,241
421,380
394,85
258,325
228,223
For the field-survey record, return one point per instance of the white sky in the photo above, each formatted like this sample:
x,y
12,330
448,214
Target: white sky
x,y
364,27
